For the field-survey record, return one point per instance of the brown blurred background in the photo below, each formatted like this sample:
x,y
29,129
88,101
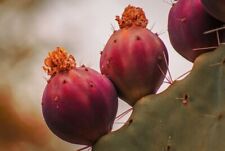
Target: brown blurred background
x,y
28,30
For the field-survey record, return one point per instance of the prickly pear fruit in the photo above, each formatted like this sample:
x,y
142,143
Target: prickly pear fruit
x,y
188,24
215,8
188,116
79,104
134,58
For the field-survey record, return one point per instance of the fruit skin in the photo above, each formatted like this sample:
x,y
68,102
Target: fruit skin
x,y
215,8
187,23
165,121
80,105
131,59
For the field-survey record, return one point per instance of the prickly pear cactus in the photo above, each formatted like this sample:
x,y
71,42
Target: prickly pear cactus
x,y
188,116
134,58
79,104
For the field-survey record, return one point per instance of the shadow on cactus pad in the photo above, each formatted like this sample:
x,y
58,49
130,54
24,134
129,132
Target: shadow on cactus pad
x,y
189,115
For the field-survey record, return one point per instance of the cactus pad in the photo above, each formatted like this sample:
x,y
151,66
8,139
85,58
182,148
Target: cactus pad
x,y
188,116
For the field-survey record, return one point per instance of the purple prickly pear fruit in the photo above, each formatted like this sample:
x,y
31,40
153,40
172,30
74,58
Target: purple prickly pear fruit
x,y
79,104
188,24
215,8
134,58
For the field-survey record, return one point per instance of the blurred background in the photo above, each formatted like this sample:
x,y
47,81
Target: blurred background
x,y
31,28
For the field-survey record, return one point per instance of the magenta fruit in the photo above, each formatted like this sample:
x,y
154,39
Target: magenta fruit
x,y
79,104
188,21
134,57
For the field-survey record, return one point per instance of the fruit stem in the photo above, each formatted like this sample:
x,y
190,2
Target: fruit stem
x,y
132,16
58,61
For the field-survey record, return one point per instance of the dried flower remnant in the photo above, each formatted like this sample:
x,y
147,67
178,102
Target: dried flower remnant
x,y
132,16
58,61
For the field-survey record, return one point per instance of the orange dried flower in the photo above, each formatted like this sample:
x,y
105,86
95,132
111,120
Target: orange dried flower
x,y
132,16
58,61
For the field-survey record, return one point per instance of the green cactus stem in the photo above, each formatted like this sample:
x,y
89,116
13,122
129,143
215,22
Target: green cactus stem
x,y
188,116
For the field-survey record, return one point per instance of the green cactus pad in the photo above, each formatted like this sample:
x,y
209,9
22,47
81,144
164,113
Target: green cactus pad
x,y
188,116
